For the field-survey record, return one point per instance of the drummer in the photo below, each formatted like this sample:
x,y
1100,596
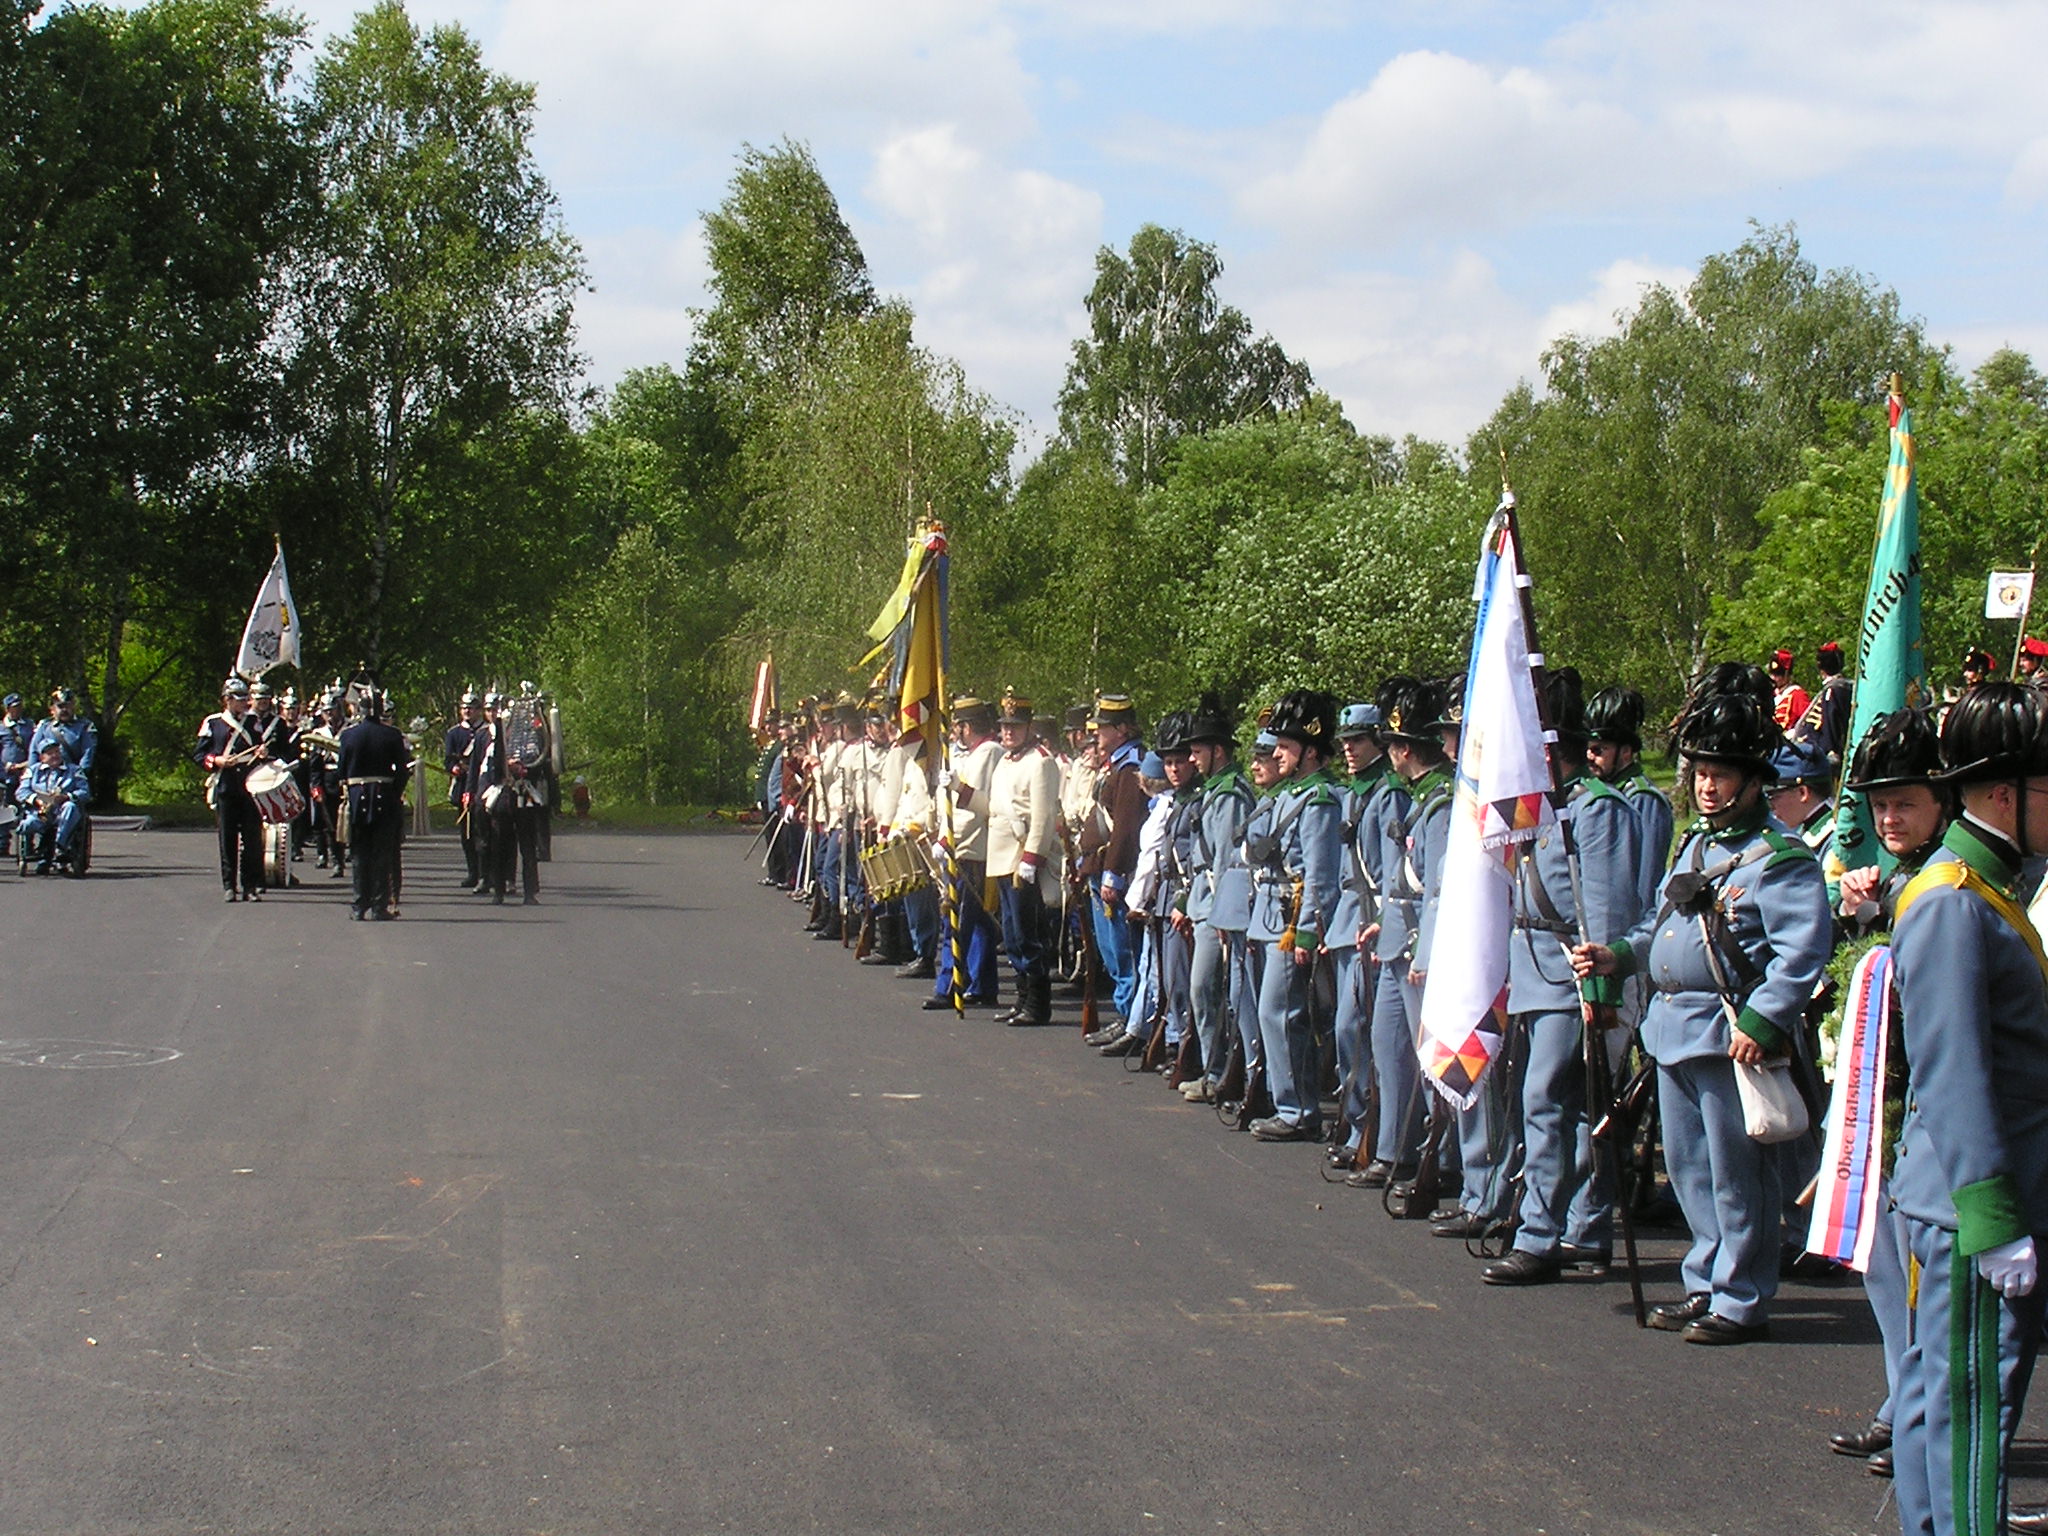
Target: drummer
x,y
227,749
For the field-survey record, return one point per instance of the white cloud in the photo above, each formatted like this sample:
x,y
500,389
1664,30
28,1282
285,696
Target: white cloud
x,y
1617,290
1437,142
1434,354
646,281
995,258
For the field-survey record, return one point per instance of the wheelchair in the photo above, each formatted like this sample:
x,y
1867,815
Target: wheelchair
x,y
74,861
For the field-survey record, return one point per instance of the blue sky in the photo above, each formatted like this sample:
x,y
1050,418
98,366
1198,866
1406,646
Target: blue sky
x,y
1411,197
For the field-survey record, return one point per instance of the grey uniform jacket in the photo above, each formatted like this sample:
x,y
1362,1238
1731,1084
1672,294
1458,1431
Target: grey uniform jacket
x,y
1973,1153
1609,838
1777,918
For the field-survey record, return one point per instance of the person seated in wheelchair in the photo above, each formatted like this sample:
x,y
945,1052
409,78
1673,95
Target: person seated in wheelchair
x,y
53,797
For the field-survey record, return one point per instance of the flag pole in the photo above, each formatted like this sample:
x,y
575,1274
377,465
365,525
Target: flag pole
x,y
1599,1075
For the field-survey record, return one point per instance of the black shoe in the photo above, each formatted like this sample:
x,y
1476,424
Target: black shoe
x,y
43,868
1340,1156
1522,1268
356,914
831,933
1862,1442
1104,1035
321,862
1124,1045
1677,1316
382,915
1273,1128
229,895
1467,1224
917,970
934,1004
1374,1175
497,898
1880,1465
1584,1261
1721,1330
529,900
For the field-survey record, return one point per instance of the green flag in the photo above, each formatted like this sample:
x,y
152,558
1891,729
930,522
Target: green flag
x,y
1891,671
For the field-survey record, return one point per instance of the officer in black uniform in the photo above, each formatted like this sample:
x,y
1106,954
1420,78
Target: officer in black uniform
x,y
455,758
373,763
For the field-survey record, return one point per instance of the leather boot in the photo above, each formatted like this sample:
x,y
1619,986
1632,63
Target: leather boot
x,y
1034,1006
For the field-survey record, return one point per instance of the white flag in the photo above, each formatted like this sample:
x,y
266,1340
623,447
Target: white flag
x,y
2008,594
1503,799
271,636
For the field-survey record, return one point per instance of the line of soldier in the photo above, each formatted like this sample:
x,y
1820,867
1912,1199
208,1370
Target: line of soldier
x,y
1234,909
502,784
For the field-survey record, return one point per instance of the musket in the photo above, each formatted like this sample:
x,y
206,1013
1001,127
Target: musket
x,y
1155,1037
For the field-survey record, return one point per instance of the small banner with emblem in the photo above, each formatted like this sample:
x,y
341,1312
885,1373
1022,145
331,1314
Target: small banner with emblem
x,y
271,637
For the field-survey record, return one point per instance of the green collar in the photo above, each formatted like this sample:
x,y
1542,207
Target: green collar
x,y
1998,869
1746,826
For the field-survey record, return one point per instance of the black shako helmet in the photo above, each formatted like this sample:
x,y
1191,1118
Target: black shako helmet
x,y
1409,710
1732,728
1209,722
1900,748
1565,694
1736,677
1172,732
1616,715
1995,731
1450,715
1307,716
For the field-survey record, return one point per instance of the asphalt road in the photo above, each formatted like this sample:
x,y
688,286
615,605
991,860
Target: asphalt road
x,y
642,1212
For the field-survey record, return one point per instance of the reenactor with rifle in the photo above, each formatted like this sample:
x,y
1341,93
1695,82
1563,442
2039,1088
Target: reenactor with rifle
x,y
1408,708
1219,896
1734,948
1293,849
967,784
1109,846
1023,854
1562,891
455,759
1366,783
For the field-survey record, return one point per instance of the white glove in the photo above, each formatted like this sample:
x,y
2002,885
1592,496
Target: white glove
x,y
2012,1268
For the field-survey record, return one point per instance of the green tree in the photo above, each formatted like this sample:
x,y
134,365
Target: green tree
x,y
1164,358
431,322
875,434
149,184
1643,469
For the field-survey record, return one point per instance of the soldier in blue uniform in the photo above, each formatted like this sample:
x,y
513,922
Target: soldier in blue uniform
x,y
79,736
1345,946
1740,936
1566,1211
1972,1172
15,734
1614,745
1294,854
1415,754
1894,769
1219,893
1803,796
52,795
